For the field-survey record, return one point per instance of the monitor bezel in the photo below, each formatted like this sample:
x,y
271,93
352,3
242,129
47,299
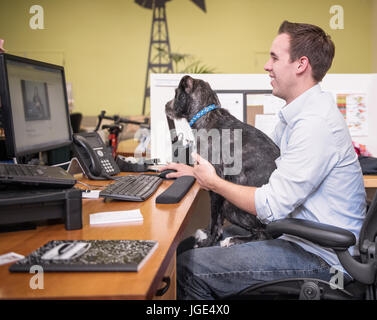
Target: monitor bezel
x,y
6,107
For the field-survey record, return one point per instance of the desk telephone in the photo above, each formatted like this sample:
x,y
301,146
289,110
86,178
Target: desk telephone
x,y
94,157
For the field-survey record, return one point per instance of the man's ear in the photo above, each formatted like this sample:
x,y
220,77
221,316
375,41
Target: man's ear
x,y
187,84
302,64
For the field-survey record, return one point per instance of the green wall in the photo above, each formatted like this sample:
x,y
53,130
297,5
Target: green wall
x,y
103,44
374,36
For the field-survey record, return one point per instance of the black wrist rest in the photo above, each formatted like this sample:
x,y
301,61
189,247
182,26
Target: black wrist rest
x,y
176,191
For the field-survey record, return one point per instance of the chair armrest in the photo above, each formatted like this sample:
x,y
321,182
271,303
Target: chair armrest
x,y
327,236
323,234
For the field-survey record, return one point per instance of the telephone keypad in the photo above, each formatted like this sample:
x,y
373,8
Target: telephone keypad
x,y
107,165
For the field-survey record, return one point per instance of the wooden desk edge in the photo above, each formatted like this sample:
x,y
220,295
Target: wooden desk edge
x,y
173,247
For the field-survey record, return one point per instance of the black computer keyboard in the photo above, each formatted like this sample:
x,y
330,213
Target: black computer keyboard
x,y
17,170
132,187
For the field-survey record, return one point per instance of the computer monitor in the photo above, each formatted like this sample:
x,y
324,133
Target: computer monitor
x,y
33,106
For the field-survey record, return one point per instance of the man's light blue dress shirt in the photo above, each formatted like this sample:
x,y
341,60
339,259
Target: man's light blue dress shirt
x,y
318,175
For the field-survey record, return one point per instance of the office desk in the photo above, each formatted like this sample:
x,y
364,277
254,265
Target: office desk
x,y
370,181
162,222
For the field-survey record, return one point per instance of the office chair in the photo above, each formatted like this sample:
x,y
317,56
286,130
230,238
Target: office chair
x,y
363,268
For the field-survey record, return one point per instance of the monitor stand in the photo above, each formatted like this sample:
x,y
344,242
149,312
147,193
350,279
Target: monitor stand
x,y
75,167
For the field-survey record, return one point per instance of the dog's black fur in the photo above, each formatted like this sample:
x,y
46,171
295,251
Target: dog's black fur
x,y
258,157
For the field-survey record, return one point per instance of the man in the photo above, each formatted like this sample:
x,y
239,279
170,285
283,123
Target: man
x,y
318,178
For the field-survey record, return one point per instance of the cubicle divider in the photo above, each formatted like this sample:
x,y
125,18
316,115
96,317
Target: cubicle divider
x,y
248,97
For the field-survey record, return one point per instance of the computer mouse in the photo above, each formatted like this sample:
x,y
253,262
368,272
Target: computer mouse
x,y
165,172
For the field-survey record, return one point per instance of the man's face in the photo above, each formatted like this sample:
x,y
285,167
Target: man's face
x,y
280,68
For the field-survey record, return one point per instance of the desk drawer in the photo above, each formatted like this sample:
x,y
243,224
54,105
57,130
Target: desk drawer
x,y
169,283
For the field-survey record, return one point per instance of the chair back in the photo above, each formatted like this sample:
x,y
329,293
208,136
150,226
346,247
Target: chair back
x,y
368,230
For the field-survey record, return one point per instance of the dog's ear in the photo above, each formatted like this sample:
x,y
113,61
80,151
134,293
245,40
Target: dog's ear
x,y
187,84
180,103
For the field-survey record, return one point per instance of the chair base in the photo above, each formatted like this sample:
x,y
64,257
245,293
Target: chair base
x,y
303,289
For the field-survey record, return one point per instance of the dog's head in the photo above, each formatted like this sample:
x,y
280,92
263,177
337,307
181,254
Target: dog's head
x,y
191,96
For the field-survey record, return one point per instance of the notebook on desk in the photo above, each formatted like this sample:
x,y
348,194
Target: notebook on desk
x,y
88,255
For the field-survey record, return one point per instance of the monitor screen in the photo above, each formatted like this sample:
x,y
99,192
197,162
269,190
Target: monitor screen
x,y
34,105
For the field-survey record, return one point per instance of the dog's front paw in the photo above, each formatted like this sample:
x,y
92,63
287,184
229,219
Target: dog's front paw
x,y
231,241
227,242
200,237
203,239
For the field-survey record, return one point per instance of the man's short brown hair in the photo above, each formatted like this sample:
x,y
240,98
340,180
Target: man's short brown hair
x,y
312,42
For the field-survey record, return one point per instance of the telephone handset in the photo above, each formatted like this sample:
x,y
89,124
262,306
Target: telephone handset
x,y
94,158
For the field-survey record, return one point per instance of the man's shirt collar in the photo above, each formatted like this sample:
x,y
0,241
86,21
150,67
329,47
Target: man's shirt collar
x,y
289,111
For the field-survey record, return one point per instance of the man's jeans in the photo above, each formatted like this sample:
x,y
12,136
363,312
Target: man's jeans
x,y
216,272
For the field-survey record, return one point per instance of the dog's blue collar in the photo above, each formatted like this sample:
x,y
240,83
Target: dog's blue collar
x,y
201,113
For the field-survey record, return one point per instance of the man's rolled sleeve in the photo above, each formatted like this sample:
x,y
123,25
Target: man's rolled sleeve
x,y
271,205
264,213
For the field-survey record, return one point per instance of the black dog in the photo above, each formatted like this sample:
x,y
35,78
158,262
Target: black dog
x,y
257,150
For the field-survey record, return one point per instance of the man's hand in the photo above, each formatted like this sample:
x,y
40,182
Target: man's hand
x,y
182,170
204,172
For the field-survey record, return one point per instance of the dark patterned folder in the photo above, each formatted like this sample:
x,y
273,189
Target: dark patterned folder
x,y
88,255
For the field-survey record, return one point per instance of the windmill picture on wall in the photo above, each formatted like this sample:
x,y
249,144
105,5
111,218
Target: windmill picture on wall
x,y
159,58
